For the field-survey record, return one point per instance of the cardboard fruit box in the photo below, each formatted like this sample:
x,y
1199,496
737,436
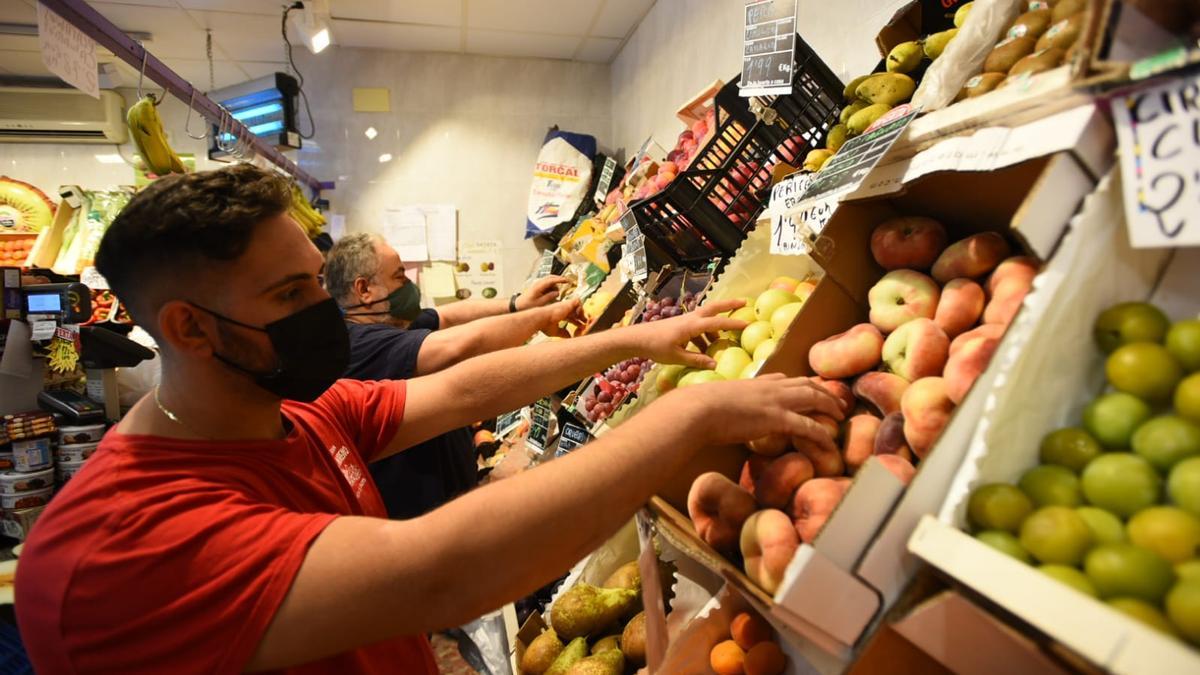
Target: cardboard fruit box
x,y
1033,201
1051,371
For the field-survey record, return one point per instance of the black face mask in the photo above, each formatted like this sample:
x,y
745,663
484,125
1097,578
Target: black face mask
x,y
312,350
404,303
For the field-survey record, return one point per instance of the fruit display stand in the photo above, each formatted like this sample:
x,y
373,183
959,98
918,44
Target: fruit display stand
x,y
1051,370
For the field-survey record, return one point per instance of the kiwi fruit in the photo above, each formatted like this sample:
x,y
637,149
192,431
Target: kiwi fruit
x,y
1062,34
1037,62
1065,8
1006,54
23,207
980,85
1032,23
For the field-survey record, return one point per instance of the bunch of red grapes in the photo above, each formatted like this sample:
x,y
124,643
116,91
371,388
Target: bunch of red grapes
x,y
613,386
667,307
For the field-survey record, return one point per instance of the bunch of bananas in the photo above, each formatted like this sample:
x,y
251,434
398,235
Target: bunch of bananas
x,y
151,141
309,219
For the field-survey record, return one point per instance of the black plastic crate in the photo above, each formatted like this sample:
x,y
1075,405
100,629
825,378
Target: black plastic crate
x,y
707,209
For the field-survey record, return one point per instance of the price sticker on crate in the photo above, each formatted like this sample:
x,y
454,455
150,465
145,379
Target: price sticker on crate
x,y
797,222
1159,148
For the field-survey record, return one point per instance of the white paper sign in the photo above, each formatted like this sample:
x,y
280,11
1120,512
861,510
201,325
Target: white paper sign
x,y
404,229
1160,163
795,222
479,270
67,52
92,278
441,230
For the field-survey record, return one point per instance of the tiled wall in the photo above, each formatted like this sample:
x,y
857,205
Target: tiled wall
x,y
463,130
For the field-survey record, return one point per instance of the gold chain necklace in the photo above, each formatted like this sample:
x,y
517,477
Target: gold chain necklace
x,y
172,416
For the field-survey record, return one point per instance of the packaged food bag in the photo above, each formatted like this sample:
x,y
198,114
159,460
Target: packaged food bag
x,y
562,177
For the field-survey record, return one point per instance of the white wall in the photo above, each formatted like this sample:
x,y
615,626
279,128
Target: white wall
x,y
683,45
463,130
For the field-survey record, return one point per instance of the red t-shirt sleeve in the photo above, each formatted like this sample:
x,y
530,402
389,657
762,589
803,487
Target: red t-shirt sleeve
x,y
199,597
368,412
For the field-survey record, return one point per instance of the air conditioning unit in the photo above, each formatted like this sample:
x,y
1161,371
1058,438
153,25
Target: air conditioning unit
x,y
32,115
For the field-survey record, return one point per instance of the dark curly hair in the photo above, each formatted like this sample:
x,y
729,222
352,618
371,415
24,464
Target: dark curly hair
x,y
166,233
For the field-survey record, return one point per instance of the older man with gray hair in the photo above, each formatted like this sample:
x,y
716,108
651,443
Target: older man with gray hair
x,y
392,338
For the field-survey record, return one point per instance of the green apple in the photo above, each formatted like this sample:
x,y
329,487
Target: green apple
x,y
1121,482
1183,608
1144,369
755,334
699,377
782,318
1072,448
732,362
1172,533
1106,528
770,300
1071,577
1183,341
1125,570
1188,570
741,314
750,370
668,377
1112,418
765,349
1006,543
1050,485
1144,612
998,506
1056,534
718,346
1129,322
1166,440
1187,398
1183,485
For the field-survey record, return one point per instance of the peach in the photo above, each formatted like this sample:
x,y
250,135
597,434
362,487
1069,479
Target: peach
x,y
960,306
768,446
901,296
838,389
727,658
780,478
917,349
992,331
805,289
1006,300
814,502
910,242
901,468
1016,267
825,461
926,409
881,390
718,508
970,258
847,354
769,540
967,364
751,470
889,440
765,658
859,440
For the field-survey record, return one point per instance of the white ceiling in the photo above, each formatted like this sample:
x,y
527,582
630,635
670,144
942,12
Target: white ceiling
x,y
247,44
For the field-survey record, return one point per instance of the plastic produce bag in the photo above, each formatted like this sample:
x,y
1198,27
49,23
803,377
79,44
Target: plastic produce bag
x,y
562,178
964,56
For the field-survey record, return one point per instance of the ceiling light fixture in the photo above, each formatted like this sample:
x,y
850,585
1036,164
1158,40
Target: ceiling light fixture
x,y
370,133
313,29
385,157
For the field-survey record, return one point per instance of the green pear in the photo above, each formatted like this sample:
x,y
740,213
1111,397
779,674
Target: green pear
x,y
541,653
572,654
585,609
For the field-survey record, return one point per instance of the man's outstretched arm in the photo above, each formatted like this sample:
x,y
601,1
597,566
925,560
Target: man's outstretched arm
x,y
365,579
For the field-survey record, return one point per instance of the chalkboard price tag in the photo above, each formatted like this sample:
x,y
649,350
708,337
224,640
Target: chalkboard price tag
x,y
854,160
572,437
605,183
1159,149
539,426
768,47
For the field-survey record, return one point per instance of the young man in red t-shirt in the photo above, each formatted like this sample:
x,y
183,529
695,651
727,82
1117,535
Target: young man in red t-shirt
x,y
229,523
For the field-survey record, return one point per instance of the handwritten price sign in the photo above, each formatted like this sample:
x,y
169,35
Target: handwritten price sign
x,y
1158,131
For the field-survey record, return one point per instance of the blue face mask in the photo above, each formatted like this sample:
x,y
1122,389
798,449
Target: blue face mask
x,y
404,303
